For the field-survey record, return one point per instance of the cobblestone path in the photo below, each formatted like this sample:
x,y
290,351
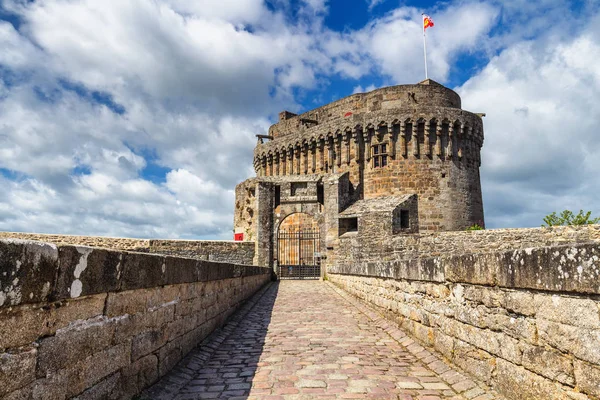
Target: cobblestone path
x,y
308,339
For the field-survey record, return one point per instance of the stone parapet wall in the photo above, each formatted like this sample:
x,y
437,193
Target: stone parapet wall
x,y
97,323
126,244
525,321
212,250
365,248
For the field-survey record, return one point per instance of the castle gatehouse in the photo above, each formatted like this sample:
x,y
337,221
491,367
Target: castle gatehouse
x,y
394,161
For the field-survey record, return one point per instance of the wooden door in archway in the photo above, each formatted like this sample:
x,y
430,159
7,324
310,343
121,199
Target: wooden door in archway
x,y
298,248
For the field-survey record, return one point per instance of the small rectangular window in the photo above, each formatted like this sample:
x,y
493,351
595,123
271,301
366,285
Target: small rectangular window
x,y
348,225
380,156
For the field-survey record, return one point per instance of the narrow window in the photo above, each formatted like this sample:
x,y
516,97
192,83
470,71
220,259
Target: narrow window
x,y
320,194
380,156
404,219
277,195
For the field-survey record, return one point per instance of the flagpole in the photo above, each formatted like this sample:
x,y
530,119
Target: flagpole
x,y
424,45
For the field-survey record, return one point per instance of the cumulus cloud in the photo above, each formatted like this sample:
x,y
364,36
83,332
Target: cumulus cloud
x,y
138,118
540,151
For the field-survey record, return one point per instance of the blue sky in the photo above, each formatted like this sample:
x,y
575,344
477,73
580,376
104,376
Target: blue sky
x,y
137,118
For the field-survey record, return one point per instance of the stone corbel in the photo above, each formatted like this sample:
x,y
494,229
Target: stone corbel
x,y
356,139
450,148
392,137
438,139
313,150
338,150
367,139
415,138
403,138
426,139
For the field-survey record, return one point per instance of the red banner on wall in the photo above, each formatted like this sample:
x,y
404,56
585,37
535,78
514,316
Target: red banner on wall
x,y
238,237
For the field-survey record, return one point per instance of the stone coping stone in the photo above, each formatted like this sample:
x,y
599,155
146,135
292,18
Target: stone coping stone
x,y
37,272
564,268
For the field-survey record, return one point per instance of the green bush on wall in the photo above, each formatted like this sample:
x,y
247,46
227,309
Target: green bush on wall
x,y
569,218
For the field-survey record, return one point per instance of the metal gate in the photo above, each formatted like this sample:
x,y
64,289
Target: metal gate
x,y
298,255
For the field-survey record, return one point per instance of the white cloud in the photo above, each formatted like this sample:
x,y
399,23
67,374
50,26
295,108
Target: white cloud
x,y
374,3
197,81
541,134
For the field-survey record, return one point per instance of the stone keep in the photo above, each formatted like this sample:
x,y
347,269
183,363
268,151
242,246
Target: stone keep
x,y
410,149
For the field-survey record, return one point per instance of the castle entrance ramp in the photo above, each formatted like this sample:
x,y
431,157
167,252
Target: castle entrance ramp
x,y
298,241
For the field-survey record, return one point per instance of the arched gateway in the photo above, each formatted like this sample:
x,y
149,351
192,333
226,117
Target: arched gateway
x,y
298,247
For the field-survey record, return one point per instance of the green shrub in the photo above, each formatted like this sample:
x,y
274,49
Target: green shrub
x,y
569,218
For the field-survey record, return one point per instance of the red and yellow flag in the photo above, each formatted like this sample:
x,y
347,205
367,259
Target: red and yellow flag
x,y
427,22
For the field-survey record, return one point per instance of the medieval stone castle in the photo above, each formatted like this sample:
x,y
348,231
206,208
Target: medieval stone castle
x,y
372,193
397,160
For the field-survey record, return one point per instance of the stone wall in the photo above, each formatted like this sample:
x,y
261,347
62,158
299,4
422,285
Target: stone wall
x,y
525,321
212,250
367,245
96,323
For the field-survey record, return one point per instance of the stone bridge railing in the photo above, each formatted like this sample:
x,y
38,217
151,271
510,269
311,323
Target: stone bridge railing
x,y
211,250
527,322
96,323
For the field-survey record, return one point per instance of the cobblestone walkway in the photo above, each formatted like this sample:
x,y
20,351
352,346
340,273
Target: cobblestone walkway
x,y
307,339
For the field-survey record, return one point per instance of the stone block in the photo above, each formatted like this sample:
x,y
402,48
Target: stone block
x,y
580,342
25,393
168,356
132,325
21,325
81,341
519,302
142,271
180,270
161,296
108,388
84,271
522,384
28,271
548,363
128,302
191,291
444,344
147,342
571,268
568,310
17,370
587,377
64,313
494,343
479,269
489,297
475,361
139,375
83,374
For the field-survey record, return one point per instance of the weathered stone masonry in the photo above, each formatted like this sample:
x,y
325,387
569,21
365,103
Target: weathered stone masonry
x,y
96,323
526,321
212,250
410,149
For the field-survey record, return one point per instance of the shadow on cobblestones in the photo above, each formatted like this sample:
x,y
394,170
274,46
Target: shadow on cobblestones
x,y
224,366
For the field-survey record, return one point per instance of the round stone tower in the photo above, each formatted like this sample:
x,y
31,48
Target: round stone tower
x,y
399,140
